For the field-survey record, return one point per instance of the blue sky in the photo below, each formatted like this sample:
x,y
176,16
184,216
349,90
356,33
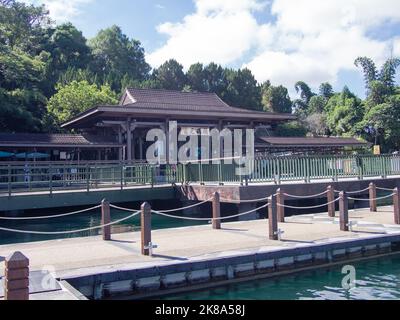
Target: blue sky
x,y
280,40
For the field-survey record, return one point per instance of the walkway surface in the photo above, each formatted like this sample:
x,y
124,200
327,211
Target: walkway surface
x,y
81,256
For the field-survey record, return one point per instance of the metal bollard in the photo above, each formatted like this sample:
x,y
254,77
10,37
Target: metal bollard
x,y
216,210
280,200
344,211
372,197
272,219
16,280
106,219
331,206
145,221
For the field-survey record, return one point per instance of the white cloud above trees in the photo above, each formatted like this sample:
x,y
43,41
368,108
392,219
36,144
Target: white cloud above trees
x,y
308,40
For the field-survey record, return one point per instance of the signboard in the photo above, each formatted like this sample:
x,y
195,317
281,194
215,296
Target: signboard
x,y
377,150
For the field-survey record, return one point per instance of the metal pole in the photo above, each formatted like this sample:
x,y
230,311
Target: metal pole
x,y
396,205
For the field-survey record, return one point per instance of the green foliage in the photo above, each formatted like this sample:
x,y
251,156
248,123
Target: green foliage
x,y
77,97
115,55
343,111
170,75
291,129
326,90
276,99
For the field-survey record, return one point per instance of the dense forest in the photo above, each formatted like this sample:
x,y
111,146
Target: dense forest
x,y
50,72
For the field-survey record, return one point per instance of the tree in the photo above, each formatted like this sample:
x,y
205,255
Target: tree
x,y
196,78
242,90
369,69
77,97
316,124
68,51
343,112
115,55
384,120
215,79
316,105
326,90
170,75
291,129
276,99
301,105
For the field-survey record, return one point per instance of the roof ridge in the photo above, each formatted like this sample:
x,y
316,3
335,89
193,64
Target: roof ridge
x,y
173,91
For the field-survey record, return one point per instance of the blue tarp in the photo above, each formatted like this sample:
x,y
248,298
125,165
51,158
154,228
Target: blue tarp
x,y
34,155
6,154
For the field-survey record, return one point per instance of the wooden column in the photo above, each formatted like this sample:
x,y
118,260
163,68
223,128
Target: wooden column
x,y
272,219
396,205
16,280
216,210
145,220
128,141
280,199
331,197
106,219
372,197
344,211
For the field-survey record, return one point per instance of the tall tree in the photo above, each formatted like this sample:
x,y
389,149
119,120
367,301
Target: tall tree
x,y
196,77
276,99
115,55
170,75
370,71
326,90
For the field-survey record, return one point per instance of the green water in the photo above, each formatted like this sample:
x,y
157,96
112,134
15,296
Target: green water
x,y
86,220
375,280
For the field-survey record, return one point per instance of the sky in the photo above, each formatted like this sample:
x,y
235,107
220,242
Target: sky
x,y
283,41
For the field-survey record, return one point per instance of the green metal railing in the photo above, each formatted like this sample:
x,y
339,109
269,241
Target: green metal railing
x,y
50,177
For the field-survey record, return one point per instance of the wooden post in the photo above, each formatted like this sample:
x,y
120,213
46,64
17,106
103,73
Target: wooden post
x,y
16,281
106,219
396,205
272,219
344,211
216,209
280,199
145,220
372,197
331,206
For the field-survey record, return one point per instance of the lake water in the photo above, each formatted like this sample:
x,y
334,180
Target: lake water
x,y
375,279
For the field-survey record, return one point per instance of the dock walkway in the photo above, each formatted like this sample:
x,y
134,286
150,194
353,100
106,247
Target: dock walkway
x,y
72,258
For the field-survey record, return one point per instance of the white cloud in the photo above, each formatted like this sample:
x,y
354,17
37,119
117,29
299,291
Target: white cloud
x,y
62,10
221,31
310,40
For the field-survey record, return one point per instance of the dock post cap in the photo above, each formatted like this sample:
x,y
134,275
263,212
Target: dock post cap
x,y
104,201
145,206
17,260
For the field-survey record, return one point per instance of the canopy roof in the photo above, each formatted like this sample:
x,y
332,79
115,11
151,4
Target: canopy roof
x,y
166,104
309,142
55,140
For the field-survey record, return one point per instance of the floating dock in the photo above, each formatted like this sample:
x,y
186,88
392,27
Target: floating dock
x,y
189,257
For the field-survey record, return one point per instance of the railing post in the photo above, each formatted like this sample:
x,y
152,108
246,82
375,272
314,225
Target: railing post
x,y
145,220
87,178
396,205
9,181
344,211
272,219
280,199
106,219
216,210
331,206
372,197
50,180
16,281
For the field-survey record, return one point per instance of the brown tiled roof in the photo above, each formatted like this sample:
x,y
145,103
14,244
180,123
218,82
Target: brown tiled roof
x,y
310,141
168,100
49,140
179,105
